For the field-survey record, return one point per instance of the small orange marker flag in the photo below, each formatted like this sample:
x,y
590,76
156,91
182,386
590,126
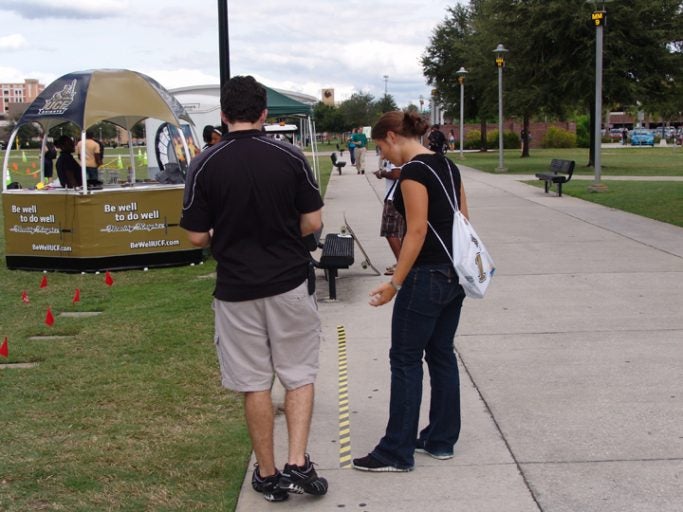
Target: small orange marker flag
x,y
108,279
77,296
24,297
4,348
43,282
15,167
49,317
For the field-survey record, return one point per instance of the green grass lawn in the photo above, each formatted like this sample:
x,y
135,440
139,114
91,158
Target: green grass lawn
x,y
127,414
640,161
658,200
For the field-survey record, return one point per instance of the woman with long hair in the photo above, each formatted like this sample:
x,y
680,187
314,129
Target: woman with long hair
x,y
428,300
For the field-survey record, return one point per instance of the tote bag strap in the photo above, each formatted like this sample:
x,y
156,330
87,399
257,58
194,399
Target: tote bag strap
x,y
453,203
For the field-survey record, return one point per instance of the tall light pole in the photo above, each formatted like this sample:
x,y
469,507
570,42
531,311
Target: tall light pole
x,y
386,79
422,100
223,47
500,52
599,17
461,78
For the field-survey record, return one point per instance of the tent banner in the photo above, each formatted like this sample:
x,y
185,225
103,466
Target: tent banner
x,y
63,100
95,225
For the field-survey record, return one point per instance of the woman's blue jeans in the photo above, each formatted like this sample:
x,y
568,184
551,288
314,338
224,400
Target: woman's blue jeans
x,y
425,318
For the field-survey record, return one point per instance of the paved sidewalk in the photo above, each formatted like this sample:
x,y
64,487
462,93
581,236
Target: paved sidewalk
x,y
571,368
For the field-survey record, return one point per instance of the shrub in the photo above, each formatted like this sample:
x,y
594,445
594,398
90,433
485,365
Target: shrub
x,y
558,138
510,140
583,138
472,139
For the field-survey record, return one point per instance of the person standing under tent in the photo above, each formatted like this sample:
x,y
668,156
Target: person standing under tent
x,y
92,156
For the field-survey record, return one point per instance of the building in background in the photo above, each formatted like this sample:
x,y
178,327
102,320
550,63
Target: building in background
x,y
328,97
18,93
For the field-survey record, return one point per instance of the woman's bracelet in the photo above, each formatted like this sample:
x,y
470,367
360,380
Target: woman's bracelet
x,y
395,286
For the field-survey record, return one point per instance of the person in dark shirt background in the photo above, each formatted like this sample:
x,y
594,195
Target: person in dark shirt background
x,y
68,169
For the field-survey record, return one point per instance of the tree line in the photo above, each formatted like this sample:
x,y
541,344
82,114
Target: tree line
x,y
550,68
361,109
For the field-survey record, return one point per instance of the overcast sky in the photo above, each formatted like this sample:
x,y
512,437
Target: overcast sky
x,y
304,45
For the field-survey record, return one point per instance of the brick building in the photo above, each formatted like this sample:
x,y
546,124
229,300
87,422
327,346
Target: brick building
x,y
18,93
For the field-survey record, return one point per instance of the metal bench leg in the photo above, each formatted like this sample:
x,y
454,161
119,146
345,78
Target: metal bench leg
x,y
332,282
559,189
547,186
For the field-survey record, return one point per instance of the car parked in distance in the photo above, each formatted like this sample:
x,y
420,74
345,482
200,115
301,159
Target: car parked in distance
x,y
641,137
615,134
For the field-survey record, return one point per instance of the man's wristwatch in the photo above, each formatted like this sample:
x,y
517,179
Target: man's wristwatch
x,y
395,286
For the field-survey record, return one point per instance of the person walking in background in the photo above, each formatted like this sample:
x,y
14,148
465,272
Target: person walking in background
x,y
451,140
428,301
92,158
360,140
393,226
252,200
437,141
352,148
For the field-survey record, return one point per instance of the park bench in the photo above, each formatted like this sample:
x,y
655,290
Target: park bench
x,y
337,163
560,172
337,252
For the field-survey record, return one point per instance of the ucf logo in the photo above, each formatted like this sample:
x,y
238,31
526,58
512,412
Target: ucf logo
x,y
480,266
477,260
60,101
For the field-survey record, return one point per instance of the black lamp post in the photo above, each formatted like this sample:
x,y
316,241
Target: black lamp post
x,y
599,17
223,47
500,52
461,79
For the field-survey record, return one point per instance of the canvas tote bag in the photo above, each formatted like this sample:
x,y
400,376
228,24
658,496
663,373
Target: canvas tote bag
x,y
471,260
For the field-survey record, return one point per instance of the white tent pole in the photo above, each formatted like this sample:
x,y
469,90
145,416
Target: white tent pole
x,y
7,179
314,149
84,174
131,176
42,156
